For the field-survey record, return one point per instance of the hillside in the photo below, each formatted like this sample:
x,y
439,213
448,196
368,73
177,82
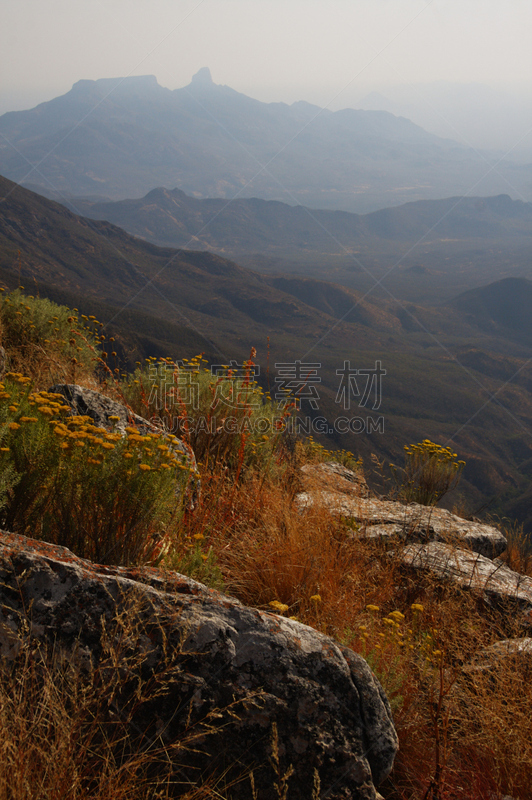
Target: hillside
x,y
504,306
428,251
188,302
244,226
167,601
122,137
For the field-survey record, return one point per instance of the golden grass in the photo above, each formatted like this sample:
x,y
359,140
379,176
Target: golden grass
x,y
62,738
458,737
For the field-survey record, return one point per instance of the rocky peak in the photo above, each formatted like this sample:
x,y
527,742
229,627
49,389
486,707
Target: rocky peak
x,y
202,79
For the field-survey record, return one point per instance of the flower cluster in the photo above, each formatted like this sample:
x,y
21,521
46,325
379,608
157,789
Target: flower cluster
x,y
430,472
106,495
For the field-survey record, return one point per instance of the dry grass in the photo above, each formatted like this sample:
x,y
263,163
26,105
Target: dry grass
x,y
268,551
459,737
64,738
463,733
518,555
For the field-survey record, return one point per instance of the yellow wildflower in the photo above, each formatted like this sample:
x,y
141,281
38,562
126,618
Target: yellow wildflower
x,y
397,616
281,607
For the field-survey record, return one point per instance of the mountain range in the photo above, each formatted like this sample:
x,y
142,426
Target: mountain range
x,y
427,251
118,138
245,226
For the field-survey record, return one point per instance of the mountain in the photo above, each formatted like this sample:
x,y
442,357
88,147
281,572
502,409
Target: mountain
x,y
244,226
423,252
504,307
441,369
122,137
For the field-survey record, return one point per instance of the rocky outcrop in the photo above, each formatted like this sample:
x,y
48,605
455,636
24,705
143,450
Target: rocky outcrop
x,y
513,654
332,476
102,410
496,583
386,519
283,696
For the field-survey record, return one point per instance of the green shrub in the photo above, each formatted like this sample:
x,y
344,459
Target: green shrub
x,y
108,498
226,419
46,341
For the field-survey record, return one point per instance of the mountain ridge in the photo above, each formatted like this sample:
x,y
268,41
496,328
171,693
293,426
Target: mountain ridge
x,y
122,137
182,301
170,217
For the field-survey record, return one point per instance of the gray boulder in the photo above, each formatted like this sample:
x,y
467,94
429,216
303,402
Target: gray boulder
x,y
334,476
496,583
274,697
386,519
100,408
514,654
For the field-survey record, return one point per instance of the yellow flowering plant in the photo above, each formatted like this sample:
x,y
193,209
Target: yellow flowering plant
x,y
394,644
107,497
430,471
226,418
45,340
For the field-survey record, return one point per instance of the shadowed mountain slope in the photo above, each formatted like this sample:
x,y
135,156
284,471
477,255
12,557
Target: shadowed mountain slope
x,y
178,303
505,304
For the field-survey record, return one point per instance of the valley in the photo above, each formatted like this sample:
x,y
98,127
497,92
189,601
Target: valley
x,y
458,373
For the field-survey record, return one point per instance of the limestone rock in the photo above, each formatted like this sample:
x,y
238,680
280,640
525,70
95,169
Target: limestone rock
x,y
334,476
99,407
386,519
248,668
496,583
514,654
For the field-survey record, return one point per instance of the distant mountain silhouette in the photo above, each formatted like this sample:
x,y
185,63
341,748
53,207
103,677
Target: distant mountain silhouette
x,y
172,218
122,137
506,303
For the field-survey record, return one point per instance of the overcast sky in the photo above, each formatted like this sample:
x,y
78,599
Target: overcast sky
x,y
330,52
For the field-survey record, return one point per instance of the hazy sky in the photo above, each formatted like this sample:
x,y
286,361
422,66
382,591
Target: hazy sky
x,y
329,52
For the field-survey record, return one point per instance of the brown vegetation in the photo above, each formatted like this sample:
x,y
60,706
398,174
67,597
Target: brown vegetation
x,y
463,732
